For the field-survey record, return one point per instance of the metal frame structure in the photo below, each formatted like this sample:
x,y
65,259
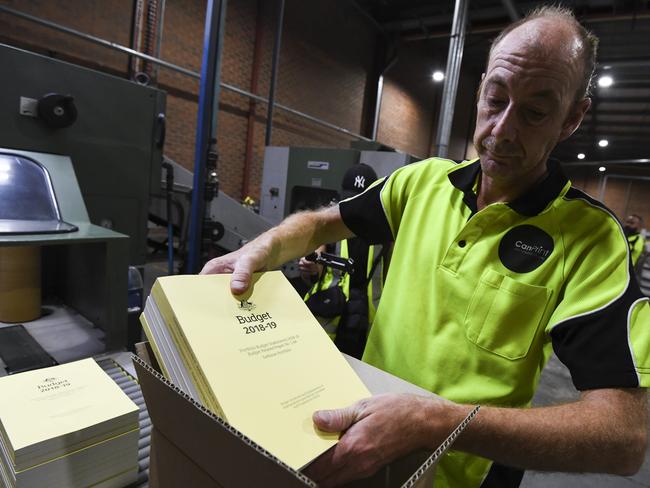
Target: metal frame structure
x,y
166,64
603,187
209,93
206,133
454,59
274,73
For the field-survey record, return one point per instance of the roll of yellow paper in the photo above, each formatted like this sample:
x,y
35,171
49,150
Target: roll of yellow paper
x,y
20,283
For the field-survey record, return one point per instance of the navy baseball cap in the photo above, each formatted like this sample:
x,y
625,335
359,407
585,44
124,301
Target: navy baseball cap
x,y
357,178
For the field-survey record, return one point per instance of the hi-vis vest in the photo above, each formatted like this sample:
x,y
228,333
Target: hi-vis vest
x,y
334,277
636,243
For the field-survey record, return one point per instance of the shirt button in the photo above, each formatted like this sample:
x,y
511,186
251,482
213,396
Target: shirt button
x,y
462,243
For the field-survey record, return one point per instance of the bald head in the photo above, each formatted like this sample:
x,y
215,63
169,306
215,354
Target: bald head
x,y
532,96
554,32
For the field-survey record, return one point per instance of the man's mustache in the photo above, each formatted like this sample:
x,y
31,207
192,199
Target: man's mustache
x,y
501,149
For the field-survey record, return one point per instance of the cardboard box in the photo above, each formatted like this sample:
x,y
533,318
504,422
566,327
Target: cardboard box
x,y
190,446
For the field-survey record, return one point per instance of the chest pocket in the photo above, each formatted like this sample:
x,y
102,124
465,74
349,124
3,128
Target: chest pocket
x,y
504,314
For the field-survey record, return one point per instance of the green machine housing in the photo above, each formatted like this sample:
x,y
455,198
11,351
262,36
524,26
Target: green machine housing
x,y
301,178
104,162
115,144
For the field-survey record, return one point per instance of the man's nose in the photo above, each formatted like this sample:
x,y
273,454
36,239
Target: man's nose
x,y
505,129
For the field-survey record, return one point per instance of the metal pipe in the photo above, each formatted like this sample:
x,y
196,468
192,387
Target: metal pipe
x,y
380,92
320,122
250,125
628,190
151,23
169,196
134,35
490,14
295,112
179,69
594,19
629,177
99,41
603,187
511,9
367,16
375,121
601,192
159,35
452,75
604,161
624,63
207,123
274,73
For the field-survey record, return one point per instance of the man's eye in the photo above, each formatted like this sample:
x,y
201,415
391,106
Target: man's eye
x,y
535,115
496,102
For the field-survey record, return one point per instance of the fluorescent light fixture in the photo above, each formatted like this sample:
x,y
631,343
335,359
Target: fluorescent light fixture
x,y
603,143
605,81
581,155
438,76
602,168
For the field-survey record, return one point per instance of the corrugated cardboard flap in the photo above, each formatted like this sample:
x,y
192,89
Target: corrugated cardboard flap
x,y
194,445
418,478
227,456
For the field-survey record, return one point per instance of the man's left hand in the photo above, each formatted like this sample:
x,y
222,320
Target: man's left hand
x,y
378,430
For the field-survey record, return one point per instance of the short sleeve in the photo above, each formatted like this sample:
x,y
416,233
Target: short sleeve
x,y
364,214
601,327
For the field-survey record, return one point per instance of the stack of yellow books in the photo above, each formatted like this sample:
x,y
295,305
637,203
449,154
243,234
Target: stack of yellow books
x,y
261,362
67,426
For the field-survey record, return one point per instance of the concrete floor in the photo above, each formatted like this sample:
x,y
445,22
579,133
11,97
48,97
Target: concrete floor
x,y
555,387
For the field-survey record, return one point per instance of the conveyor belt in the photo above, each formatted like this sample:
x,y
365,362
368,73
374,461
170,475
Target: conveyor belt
x,y
131,387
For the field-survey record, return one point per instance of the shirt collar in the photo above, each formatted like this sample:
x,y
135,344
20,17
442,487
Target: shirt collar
x,y
531,203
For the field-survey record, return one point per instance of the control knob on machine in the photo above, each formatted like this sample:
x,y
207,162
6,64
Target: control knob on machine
x,y
57,111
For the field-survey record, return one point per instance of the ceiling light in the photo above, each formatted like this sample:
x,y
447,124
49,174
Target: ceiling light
x,y
438,76
581,155
603,143
605,81
602,168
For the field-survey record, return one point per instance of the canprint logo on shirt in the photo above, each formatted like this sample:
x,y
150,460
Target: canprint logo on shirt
x,y
525,248
360,182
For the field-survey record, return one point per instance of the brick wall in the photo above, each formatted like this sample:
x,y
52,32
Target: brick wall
x,y
107,20
624,196
323,69
328,51
410,102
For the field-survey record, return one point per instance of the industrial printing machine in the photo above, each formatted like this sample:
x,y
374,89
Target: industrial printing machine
x,y
91,145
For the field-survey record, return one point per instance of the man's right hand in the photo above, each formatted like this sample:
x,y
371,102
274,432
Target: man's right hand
x,y
242,264
297,235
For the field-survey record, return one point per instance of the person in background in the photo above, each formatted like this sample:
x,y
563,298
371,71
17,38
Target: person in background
x,y
635,240
344,303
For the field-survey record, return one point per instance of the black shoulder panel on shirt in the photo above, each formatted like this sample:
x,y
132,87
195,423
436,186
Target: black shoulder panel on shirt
x,y
501,476
575,194
595,346
364,215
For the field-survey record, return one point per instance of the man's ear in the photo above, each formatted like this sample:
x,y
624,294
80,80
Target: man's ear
x,y
574,118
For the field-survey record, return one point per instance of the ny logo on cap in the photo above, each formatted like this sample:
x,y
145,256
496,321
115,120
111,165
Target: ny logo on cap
x,y
360,181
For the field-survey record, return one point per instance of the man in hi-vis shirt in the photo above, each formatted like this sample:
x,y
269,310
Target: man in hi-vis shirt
x,y
497,262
